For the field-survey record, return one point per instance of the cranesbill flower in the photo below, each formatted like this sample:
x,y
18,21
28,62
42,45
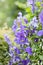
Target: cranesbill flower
x,y
10,62
20,14
21,38
30,1
17,50
16,24
25,62
34,22
7,39
40,33
25,20
28,50
41,17
17,59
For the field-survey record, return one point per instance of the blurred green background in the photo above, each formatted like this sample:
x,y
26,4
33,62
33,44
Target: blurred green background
x,y
9,10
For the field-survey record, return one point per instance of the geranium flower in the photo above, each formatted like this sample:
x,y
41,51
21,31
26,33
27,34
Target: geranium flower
x,y
28,50
41,17
40,33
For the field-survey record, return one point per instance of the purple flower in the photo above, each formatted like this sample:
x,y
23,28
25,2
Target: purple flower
x,y
11,50
30,1
25,62
33,6
21,37
28,50
40,33
27,32
19,14
34,22
10,62
14,27
25,20
7,39
17,58
41,17
17,50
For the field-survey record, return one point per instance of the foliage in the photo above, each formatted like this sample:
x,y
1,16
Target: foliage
x,y
4,55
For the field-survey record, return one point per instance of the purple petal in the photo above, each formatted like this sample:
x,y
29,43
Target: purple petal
x,y
28,50
41,16
40,33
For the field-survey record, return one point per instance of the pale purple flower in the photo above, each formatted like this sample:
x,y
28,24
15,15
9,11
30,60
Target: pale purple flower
x,y
21,37
20,14
17,59
41,17
7,39
14,27
28,50
40,33
33,6
34,22
10,62
17,50
25,20
30,1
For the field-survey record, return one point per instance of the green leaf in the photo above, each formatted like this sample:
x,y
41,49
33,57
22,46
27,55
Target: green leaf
x,y
38,4
20,5
28,9
41,57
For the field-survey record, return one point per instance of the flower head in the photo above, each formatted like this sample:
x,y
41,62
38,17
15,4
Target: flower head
x,y
41,17
25,62
28,50
40,33
21,37
7,39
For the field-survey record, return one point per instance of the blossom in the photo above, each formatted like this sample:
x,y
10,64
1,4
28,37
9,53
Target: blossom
x,y
41,17
25,62
25,20
21,37
20,14
14,27
30,1
17,50
28,50
40,33
21,32
7,39
17,59
10,62
34,22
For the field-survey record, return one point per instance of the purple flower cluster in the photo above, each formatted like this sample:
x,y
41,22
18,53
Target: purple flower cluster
x,y
31,2
40,33
21,33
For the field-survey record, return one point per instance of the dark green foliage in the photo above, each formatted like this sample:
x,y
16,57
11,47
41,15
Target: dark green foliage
x,y
4,56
